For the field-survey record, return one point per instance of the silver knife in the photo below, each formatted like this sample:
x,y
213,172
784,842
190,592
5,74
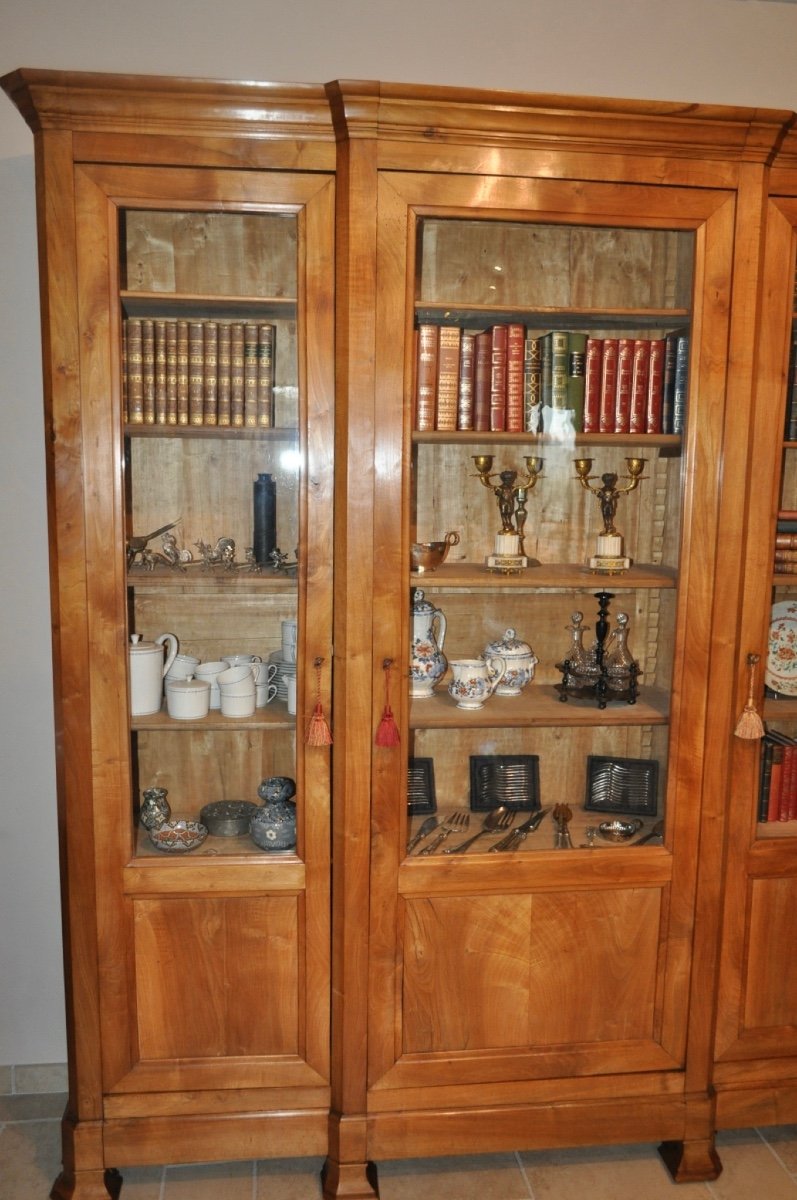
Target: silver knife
x,y
522,831
429,824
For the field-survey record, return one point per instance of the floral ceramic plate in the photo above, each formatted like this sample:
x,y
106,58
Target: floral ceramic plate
x,y
781,667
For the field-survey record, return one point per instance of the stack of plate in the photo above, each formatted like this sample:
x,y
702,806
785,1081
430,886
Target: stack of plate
x,y
285,669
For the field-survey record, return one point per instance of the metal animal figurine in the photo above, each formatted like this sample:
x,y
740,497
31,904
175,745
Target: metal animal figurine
x,y
222,554
137,545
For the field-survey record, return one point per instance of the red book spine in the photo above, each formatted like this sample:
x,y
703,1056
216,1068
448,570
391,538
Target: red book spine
x,y
515,356
608,385
426,378
655,386
625,370
467,356
498,379
776,786
640,370
482,373
592,385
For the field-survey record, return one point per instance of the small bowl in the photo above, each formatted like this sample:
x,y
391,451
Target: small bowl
x,y
178,837
428,556
228,818
618,830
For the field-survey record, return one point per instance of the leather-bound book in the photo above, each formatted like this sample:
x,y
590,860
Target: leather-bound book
x,y
640,369
237,341
532,384
148,369
171,372
593,363
498,378
223,362
160,370
266,346
135,376
515,356
182,373
655,395
196,372
467,366
482,376
250,374
576,376
426,377
448,346
625,369
210,374
608,385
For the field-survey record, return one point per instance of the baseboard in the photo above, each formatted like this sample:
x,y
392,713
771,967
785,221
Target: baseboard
x,y
22,1079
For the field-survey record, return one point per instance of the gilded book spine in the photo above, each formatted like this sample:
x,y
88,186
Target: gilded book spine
x,y
265,375
196,372
160,371
135,376
237,385
426,377
250,375
448,346
182,373
210,384
223,369
148,368
171,372
467,356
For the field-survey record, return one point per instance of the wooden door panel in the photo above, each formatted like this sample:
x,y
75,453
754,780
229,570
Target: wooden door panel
x,y
205,970
493,972
770,992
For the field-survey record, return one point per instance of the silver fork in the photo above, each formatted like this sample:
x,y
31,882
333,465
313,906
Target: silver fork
x,y
458,820
497,818
518,835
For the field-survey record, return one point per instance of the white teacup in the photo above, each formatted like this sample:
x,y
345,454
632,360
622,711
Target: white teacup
x,y
237,706
289,629
264,672
210,672
290,685
183,666
474,680
237,660
237,681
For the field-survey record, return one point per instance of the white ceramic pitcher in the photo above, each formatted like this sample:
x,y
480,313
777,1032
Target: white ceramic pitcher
x,y
147,669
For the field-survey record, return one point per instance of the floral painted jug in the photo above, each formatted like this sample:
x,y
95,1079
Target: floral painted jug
x,y
427,661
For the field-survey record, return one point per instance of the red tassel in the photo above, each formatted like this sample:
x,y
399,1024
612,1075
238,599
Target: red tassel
x,y
318,731
387,733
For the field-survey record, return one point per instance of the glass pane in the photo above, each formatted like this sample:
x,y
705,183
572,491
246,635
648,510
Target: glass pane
x,y
212,429
542,643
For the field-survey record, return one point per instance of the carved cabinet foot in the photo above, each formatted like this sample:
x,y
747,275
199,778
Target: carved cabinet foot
x,y
87,1185
691,1162
349,1181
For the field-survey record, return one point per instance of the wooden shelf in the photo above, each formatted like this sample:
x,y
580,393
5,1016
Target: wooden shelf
x,y
538,705
666,442
188,305
225,432
273,716
195,579
563,317
567,576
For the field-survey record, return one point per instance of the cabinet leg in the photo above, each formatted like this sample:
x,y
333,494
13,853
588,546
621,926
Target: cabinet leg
x,y
87,1185
691,1162
349,1181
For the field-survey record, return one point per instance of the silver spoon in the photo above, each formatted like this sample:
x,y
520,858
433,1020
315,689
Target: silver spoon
x,y
497,818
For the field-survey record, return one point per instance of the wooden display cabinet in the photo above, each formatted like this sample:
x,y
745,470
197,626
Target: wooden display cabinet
x,y
198,983
544,996
756,1052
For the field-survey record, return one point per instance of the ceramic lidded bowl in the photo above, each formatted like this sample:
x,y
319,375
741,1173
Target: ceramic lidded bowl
x,y
520,662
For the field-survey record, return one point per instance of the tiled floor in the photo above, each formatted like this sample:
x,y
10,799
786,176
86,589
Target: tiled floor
x,y
756,1163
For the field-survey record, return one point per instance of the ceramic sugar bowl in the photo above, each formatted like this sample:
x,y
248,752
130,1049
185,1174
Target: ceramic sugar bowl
x,y
273,827
520,662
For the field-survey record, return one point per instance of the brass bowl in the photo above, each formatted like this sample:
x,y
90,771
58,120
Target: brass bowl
x,y
428,556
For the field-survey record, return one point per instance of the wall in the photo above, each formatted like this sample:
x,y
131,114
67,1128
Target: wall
x,y
716,51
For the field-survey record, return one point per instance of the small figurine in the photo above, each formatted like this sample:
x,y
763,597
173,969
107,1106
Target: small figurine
x,y
223,553
137,545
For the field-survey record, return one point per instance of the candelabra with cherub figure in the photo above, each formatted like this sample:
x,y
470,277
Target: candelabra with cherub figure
x,y
512,493
610,557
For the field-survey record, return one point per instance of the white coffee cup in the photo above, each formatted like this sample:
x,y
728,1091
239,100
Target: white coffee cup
x,y
210,672
264,672
265,693
187,699
290,684
243,673
237,706
289,629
